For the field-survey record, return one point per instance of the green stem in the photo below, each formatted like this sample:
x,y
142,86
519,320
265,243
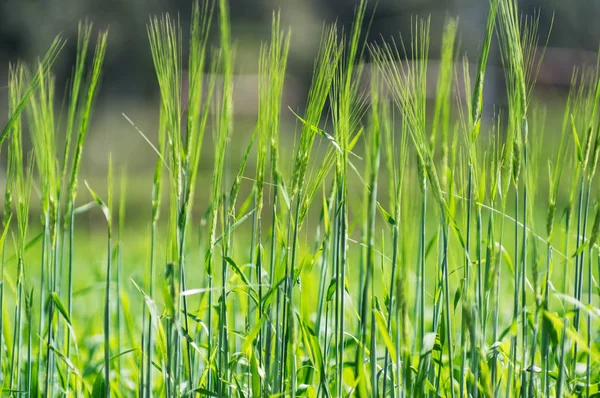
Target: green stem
x,y
149,338
579,265
513,341
107,316
390,309
447,307
561,364
496,386
466,282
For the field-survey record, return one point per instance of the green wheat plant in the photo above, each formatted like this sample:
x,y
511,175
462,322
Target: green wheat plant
x,y
396,236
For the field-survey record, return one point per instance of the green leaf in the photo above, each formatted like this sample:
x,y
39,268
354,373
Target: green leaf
x,y
354,140
305,390
205,393
257,375
580,250
67,362
99,388
346,286
431,342
284,192
60,306
317,130
458,294
311,341
250,337
430,245
122,353
331,289
325,212
429,387
168,299
5,232
239,222
240,174
387,216
511,330
99,201
576,139
237,270
382,327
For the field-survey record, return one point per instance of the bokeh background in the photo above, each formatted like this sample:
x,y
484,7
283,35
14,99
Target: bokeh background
x,y
128,86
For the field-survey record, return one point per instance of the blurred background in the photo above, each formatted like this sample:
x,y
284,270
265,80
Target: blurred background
x,y
27,27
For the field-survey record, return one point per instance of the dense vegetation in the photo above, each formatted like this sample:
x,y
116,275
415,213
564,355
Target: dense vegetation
x,y
396,252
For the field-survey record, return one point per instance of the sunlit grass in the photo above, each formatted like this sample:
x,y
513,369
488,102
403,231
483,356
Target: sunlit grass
x,y
406,251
